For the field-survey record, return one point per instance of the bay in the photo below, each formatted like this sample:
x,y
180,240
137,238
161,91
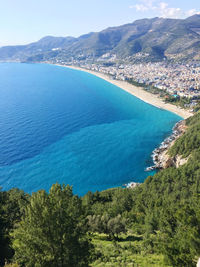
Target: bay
x,y
68,126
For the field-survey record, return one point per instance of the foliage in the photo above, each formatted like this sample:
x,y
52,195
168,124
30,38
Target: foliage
x,y
52,231
107,225
12,205
179,101
190,141
12,265
128,251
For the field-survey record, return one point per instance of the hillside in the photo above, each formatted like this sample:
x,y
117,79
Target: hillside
x,y
146,39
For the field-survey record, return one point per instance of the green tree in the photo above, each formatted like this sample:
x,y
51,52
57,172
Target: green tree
x,y
107,225
116,226
52,231
11,209
4,242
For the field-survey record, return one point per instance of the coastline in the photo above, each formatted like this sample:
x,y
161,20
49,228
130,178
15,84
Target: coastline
x,y
138,92
160,156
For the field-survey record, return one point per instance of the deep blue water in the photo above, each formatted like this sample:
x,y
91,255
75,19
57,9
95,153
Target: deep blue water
x,y
68,126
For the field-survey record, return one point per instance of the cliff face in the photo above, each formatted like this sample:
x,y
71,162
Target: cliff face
x,y
176,161
187,146
179,161
164,160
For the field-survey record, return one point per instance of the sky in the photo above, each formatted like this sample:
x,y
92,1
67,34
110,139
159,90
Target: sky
x,y
26,21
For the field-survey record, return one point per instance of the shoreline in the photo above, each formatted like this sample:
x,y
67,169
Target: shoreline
x,y
138,92
160,156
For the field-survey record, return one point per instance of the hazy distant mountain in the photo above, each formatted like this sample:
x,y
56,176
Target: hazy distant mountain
x,y
147,39
42,46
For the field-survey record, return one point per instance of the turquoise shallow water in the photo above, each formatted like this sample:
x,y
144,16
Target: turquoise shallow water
x,y
67,126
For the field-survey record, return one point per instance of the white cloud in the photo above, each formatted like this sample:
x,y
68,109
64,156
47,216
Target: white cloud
x,y
192,12
163,9
144,5
169,12
141,7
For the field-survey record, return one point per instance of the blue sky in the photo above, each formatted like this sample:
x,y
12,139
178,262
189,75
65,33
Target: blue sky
x,y
25,21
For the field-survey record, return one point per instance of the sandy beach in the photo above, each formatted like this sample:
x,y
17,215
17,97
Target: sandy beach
x,y
139,93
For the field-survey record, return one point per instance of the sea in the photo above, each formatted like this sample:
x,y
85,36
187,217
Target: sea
x,y
68,126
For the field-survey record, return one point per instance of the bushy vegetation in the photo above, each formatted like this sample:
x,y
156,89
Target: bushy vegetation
x,y
46,230
129,251
155,224
190,141
52,231
12,205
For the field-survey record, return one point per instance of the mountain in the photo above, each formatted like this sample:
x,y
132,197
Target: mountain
x,y
146,39
44,45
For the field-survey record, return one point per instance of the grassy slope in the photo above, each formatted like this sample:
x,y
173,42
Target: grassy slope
x,y
126,252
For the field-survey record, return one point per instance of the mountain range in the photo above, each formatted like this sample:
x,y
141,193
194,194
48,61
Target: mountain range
x,y
143,40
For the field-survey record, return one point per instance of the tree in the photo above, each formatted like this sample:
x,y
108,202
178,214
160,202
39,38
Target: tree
x,y
107,225
52,231
183,247
11,209
4,242
116,226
